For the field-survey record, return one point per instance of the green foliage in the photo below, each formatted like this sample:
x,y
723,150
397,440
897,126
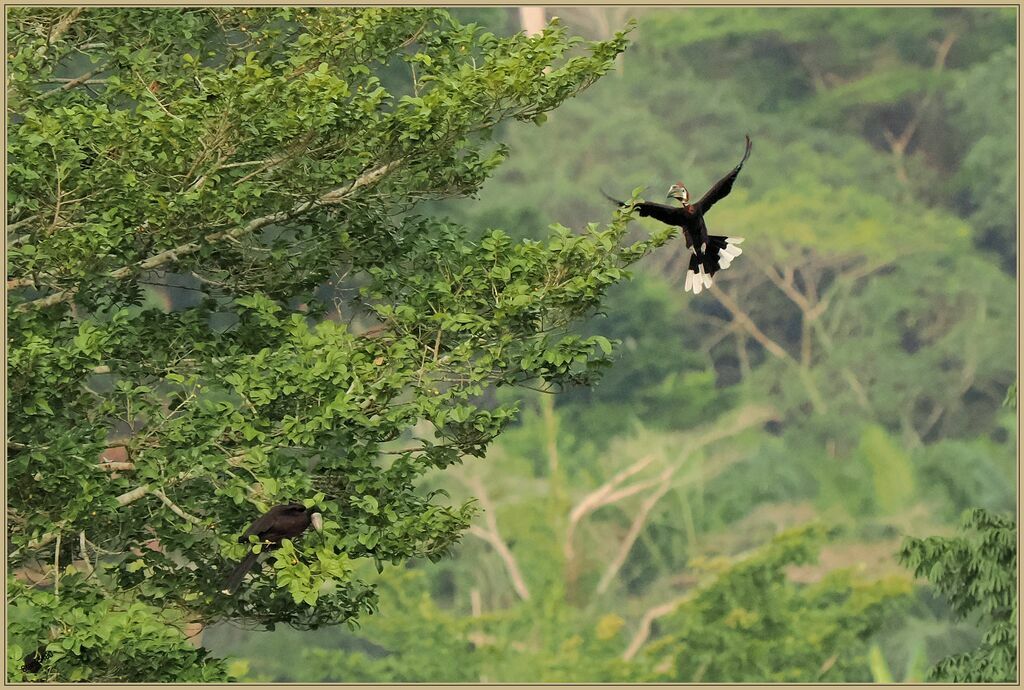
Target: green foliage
x,y
83,634
984,99
798,630
267,160
657,380
753,622
969,474
891,470
977,573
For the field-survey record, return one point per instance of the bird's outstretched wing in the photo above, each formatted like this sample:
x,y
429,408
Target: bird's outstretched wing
x,y
722,188
666,214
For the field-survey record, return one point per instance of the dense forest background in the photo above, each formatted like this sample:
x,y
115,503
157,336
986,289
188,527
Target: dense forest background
x,y
729,503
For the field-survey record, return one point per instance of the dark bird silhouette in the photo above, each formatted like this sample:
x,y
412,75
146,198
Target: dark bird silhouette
x,y
33,661
285,521
709,253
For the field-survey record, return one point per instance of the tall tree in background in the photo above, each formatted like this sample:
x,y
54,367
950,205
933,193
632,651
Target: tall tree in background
x,y
255,156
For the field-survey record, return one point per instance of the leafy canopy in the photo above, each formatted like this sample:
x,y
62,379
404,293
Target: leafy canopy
x,y
266,162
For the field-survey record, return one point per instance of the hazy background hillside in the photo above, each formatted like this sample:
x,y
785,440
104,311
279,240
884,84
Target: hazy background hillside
x,y
843,386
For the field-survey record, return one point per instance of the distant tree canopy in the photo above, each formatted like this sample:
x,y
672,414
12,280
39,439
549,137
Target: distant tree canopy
x,y
268,161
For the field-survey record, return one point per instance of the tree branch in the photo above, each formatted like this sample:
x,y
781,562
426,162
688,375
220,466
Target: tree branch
x,y
594,500
492,536
133,495
78,81
56,568
742,420
61,27
749,326
635,528
644,630
175,509
332,197
785,284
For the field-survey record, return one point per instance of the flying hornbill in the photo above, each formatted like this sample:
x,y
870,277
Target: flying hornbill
x,y
285,521
710,253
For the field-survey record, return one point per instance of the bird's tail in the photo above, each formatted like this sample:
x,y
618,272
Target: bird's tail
x,y
718,254
238,574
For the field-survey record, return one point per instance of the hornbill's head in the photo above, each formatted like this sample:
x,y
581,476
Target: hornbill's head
x,y
314,513
316,518
678,191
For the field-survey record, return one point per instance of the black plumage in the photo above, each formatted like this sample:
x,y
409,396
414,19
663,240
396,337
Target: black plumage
x,y
709,253
285,521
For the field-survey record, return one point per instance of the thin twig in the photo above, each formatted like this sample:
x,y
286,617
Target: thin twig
x,y
748,324
78,81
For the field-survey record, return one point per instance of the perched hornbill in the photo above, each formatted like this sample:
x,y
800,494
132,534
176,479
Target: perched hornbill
x,y
710,253
285,521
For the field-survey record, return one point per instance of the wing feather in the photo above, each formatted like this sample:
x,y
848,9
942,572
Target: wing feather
x,y
670,215
722,188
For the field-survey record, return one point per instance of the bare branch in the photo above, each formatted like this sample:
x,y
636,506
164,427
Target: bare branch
x,y
492,536
785,284
748,324
133,495
635,528
175,509
56,568
86,78
61,27
644,630
602,496
85,553
597,498
857,388
115,466
11,227
740,421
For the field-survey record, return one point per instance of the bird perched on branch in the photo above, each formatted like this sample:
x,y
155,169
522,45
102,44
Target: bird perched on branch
x,y
285,521
709,253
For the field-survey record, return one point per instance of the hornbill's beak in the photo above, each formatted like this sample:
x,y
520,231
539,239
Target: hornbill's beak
x,y
317,520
